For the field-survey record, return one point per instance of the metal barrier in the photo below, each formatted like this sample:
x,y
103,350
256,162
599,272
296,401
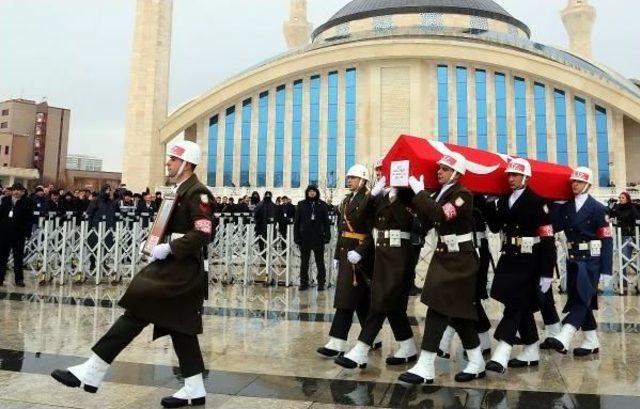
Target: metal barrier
x,y
67,248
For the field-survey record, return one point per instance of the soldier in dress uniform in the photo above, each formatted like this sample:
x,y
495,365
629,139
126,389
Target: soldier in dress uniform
x,y
392,277
353,259
481,243
168,293
524,269
586,225
450,287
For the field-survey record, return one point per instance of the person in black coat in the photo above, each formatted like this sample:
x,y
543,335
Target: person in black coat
x,y
15,224
311,231
286,213
264,214
625,214
145,209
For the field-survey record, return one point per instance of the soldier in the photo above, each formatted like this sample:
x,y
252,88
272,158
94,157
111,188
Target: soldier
x,y
527,261
450,287
586,226
168,293
392,277
353,260
481,243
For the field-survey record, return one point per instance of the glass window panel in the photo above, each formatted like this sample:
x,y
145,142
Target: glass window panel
x,y
560,107
443,103
296,133
263,129
278,169
462,106
521,116
213,151
582,141
230,120
350,118
332,130
540,97
245,143
602,138
481,109
314,130
501,112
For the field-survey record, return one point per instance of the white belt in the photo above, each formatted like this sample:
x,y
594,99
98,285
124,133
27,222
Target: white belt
x,y
461,238
175,236
403,234
583,246
517,241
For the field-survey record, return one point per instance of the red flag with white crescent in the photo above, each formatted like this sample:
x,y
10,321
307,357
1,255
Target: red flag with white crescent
x,y
485,170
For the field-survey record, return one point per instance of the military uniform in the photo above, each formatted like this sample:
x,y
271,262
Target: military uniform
x,y
527,254
170,293
481,243
353,288
392,269
450,287
590,255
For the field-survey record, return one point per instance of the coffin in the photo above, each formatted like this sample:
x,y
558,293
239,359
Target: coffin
x,y
485,170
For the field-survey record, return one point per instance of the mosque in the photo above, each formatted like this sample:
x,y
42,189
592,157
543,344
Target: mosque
x,y
459,71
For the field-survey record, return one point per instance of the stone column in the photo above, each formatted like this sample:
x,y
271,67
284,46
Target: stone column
x,y
288,132
453,104
592,140
532,137
324,112
306,122
492,133
472,109
202,139
222,129
552,137
430,108
148,95
340,168
237,144
271,133
253,161
617,153
509,82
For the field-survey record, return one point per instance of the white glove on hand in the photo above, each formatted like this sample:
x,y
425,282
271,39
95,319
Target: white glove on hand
x,y
379,186
354,257
545,284
335,265
490,199
417,185
160,252
393,192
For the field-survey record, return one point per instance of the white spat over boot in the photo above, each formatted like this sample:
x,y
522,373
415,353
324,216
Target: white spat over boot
x,y
500,358
530,356
475,367
191,394
423,371
444,350
407,352
356,358
590,344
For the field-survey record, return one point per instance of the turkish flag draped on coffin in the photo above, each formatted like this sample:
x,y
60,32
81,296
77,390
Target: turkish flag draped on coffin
x,y
485,170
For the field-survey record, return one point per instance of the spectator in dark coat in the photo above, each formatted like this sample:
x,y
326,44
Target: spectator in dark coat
x,y
264,213
158,201
311,231
286,214
626,213
15,225
101,209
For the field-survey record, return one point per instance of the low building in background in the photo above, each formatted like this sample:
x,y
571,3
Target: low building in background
x,y
84,162
83,179
33,142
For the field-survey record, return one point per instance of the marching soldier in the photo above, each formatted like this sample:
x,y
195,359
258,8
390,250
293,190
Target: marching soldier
x,y
392,277
168,293
450,287
481,243
527,261
586,226
353,260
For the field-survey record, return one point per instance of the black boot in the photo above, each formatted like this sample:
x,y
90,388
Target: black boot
x,y
171,402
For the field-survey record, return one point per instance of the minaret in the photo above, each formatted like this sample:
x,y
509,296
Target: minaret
x,y
144,156
297,30
579,18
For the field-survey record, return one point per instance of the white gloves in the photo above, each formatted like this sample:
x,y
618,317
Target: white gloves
x,y
545,284
393,192
335,265
417,185
379,186
354,257
160,252
490,199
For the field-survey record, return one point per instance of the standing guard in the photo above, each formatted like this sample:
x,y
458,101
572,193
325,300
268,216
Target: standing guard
x,y
450,287
353,260
586,226
168,293
527,261
392,277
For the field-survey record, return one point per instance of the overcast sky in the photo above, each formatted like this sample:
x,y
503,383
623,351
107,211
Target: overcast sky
x,y
76,52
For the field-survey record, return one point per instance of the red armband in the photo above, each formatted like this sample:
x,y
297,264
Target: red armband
x,y
604,232
545,231
203,225
450,211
